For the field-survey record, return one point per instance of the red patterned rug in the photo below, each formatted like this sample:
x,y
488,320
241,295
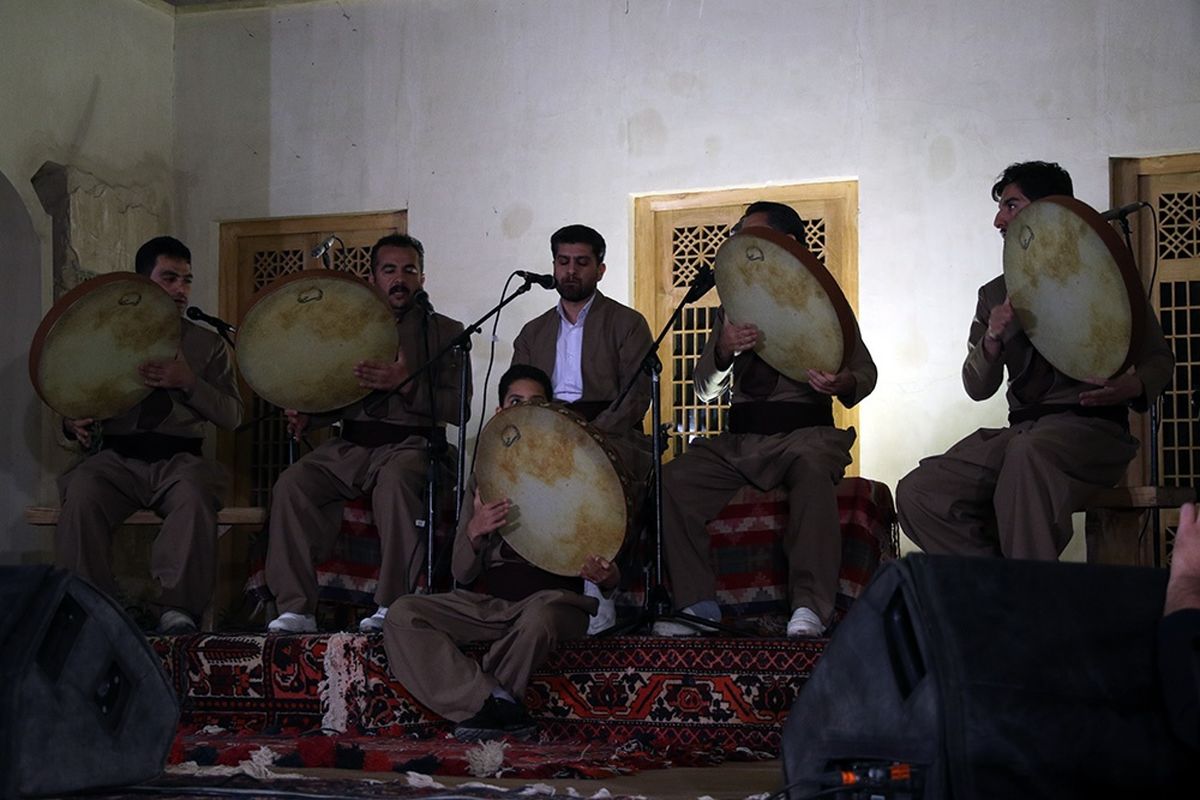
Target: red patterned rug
x,y
604,707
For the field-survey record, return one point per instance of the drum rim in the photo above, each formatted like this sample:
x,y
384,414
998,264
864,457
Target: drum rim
x,y
837,298
1125,266
592,430
301,275
65,303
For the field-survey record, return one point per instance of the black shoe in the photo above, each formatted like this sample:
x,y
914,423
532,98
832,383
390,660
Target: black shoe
x,y
496,719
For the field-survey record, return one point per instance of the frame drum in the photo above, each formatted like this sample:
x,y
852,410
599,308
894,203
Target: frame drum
x,y
1074,288
301,337
569,500
775,282
85,354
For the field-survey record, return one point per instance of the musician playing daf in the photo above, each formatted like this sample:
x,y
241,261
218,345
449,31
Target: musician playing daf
x,y
1011,491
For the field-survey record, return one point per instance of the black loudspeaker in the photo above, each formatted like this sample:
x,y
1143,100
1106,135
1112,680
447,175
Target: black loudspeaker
x,y
84,701
991,678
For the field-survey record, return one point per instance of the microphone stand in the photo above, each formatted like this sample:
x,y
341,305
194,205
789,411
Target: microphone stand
x,y
656,604
435,447
1155,512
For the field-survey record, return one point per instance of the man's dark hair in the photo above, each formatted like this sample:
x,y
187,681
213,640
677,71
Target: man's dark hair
x,y
1037,179
399,240
780,217
147,254
578,234
518,372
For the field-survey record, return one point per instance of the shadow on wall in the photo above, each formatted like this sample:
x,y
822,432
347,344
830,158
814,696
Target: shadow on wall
x,y
20,444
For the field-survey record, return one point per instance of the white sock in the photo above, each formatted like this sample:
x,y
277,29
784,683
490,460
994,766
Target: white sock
x,y
501,693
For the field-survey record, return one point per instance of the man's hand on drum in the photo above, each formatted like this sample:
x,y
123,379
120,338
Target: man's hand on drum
x,y
601,571
1001,322
80,430
1113,391
297,423
173,374
487,518
380,375
734,339
832,383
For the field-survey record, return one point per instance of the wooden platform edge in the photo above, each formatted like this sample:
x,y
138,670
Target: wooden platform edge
x,y
233,515
1123,497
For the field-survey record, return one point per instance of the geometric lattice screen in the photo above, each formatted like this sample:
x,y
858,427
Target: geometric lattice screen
x,y
1179,311
693,247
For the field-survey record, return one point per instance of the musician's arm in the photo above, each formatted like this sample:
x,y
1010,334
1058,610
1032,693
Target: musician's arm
x,y
862,368
981,375
1156,363
634,342
466,562
215,394
448,374
709,379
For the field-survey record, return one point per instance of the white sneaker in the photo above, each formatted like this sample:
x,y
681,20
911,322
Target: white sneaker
x,y
373,623
174,622
805,624
291,622
606,613
705,609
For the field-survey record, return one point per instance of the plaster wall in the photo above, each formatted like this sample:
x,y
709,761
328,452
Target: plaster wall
x,y
88,85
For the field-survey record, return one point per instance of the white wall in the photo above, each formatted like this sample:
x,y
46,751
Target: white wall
x,y
88,84
496,122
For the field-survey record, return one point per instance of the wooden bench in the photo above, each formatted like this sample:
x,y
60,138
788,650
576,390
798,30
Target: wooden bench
x,y
228,585
1115,523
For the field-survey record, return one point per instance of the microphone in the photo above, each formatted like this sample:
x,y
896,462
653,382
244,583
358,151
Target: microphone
x,y
544,281
324,246
421,301
1114,214
704,280
221,325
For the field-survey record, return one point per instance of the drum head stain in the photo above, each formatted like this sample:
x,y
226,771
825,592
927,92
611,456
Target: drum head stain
x,y
510,435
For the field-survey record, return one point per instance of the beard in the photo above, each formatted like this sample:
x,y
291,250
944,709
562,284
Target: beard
x,y
575,292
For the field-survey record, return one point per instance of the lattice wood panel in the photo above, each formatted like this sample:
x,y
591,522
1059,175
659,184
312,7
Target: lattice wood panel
x,y
1179,313
1179,225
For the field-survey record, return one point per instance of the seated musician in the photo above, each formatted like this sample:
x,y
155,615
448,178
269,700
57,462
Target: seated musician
x,y
781,433
382,451
1179,632
150,457
592,346
1011,491
523,611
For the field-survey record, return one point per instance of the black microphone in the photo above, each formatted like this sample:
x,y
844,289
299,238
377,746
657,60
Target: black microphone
x,y
196,314
1114,214
421,301
324,246
544,281
704,280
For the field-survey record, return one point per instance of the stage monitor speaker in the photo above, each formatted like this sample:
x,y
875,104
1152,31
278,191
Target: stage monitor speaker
x,y
992,679
84,701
